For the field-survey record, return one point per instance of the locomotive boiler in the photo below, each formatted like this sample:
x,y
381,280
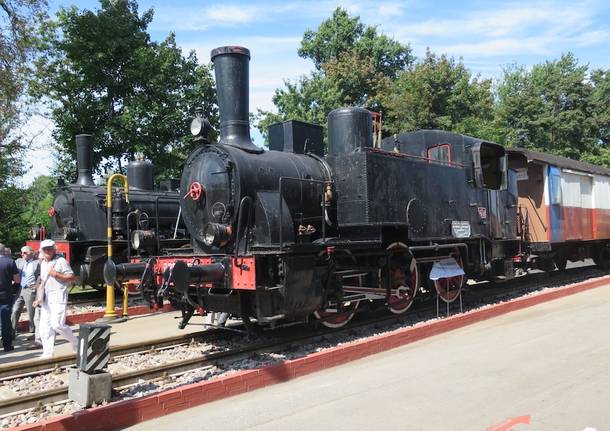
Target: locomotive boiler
x,y
291,234
145,225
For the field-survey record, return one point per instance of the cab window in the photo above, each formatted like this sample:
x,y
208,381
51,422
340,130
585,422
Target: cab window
x,y
440,154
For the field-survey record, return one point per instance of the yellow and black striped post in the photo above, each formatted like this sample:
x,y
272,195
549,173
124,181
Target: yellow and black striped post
x,y
110,312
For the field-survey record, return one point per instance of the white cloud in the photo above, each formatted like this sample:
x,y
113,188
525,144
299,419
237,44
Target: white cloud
x,y
390,9
537,28
228,14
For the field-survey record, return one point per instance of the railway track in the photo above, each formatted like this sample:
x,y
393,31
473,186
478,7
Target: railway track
x,y
474,296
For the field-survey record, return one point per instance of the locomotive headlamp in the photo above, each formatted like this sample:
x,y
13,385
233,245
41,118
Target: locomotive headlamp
x,y
200,127
196,126
216,234
142,239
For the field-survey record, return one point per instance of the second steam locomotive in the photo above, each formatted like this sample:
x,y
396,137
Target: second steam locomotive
x,y
145,225
291,233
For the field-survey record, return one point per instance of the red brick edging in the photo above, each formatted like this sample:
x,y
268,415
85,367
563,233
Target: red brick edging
x,y
75,319
126,413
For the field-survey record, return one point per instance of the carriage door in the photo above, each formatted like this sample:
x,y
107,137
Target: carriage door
x,y
577,204
586,204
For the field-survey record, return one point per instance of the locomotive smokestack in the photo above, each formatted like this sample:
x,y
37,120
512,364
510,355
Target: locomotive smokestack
x,y
232,90
84,160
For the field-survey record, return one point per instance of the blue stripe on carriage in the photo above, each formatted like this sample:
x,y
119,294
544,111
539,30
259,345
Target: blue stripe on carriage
x,y
555,209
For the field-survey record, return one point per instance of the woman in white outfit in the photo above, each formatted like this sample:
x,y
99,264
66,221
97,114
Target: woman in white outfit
x,y
56,275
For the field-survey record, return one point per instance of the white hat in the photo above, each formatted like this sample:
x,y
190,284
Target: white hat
x,y
47,243
26,249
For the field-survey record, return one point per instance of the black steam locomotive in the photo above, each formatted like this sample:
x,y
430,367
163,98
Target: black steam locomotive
x,y
148,223
290,233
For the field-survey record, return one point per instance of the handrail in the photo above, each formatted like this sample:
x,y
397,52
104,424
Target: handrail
x,y
412,156
110,312
245,200
302,180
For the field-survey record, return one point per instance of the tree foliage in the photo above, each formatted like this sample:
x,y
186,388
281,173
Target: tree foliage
x,y
601,104
439,93
343,34
19,21
354,65
28,208
549,108
103,75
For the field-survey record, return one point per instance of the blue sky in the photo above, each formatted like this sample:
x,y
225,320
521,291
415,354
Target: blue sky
x,y
487,35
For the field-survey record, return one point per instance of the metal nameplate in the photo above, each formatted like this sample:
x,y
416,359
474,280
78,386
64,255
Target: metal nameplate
x,y
460,229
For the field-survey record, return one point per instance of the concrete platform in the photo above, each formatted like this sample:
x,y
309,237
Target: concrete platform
x,y
137,328
541,368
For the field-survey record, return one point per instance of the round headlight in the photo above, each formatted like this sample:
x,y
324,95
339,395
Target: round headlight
x,y
209,235
216,234
196,126
136,241
143,239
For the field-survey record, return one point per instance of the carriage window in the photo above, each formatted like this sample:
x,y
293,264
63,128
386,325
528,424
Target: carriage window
x,y
555,189
440,153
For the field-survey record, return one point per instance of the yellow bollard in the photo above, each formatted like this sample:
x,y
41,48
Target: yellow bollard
x,y
125,300
110,313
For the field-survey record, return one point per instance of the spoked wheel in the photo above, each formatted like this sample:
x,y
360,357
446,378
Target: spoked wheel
x,y
337,317
448,289
404,278
148,287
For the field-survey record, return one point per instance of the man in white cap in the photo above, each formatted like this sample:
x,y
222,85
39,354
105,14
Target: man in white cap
x,y
29,268
55,277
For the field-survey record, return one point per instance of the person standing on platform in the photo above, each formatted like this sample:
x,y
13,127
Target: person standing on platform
x,y
55,277
9,274
29,268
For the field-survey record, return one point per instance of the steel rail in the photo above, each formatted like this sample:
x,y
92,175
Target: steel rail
x,y
38,366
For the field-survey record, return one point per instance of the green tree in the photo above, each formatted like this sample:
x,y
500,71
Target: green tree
x,y
549,108
353,67
19,21
601,102
341,34
38,200
103,75
440,93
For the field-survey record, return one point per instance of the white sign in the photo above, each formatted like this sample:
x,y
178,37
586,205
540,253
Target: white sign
x,y
460,229
446,268
522,174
